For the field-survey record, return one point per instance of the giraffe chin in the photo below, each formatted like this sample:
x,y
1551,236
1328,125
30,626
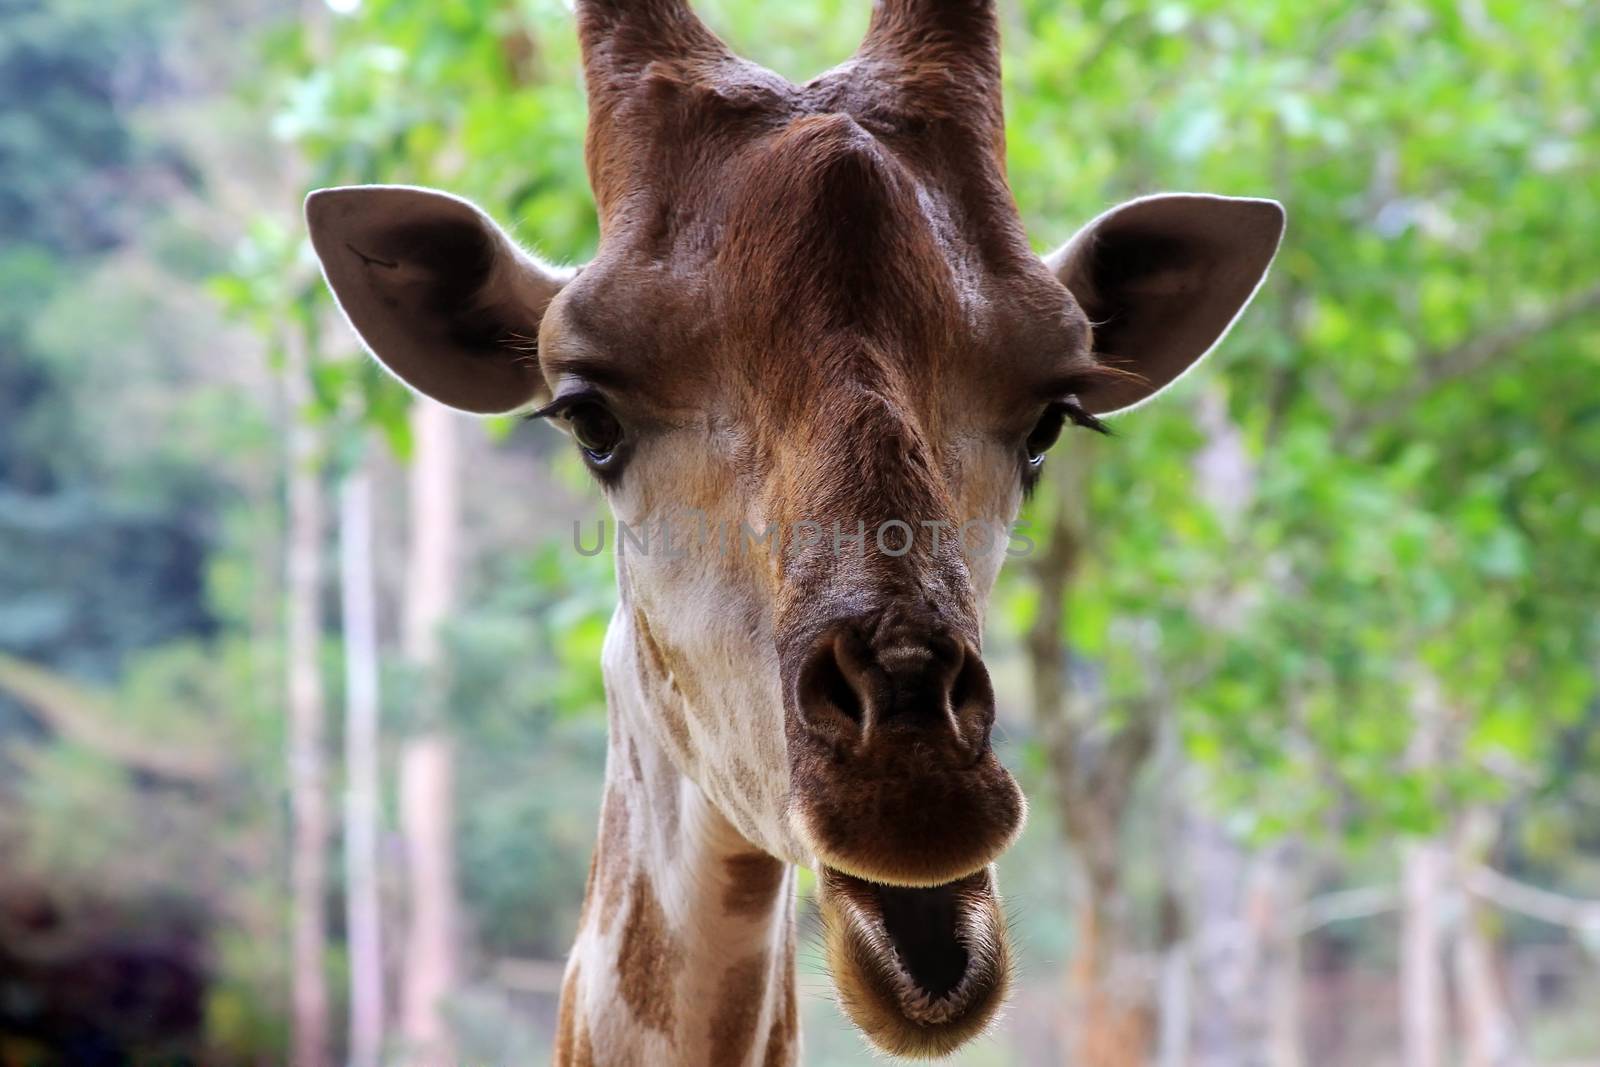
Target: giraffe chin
x,y
920,971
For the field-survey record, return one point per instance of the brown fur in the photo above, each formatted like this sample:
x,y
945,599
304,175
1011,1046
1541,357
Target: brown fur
x,y
650,959
754,882
611,856
785,1022
566,1020
583,1051
658,666
849,353
739,998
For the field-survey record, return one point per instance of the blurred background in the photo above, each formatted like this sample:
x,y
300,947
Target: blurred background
x,y
301,726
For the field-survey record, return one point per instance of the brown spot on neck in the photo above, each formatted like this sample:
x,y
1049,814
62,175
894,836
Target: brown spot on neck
x,y
650,959
583,1050
739,998
785,1020
567,1020
754,882
654,664
633,761
611,863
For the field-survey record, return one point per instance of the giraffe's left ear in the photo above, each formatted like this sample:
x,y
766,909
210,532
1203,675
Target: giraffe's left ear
x,y
1162,279
440,294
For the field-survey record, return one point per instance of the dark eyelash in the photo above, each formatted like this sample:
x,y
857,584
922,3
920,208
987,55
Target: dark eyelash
x,y
1075,412
1030,482
563,404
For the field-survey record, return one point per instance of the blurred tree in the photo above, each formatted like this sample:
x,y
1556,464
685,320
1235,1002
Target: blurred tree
x,y
363,774
87,573
1393,389
427,761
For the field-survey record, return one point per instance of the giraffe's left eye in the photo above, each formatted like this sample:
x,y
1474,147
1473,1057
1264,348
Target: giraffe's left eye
x,y
1045,433
1047,430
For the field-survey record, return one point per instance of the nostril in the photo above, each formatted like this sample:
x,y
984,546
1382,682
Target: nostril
x,y
962,688
830,702
836,689
972,701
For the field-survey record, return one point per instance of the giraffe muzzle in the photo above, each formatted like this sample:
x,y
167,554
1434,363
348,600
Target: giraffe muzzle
x,y
892,776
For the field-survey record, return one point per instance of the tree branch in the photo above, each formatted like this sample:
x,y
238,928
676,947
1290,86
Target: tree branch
x,y
1557,909
1343,905
1471,356
86,718
1553,908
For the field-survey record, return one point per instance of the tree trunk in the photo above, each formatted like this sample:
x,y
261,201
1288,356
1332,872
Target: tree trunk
x,y
362,905
427,789
1175,994
1422,992
1246,965
1489,1038
1227,945
1424,865
1244,951
1110,1002
307,787
1488,1033
1285,1027
1093,769
427,780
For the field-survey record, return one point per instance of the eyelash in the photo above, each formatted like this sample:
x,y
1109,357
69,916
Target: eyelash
x,y
1078,416
563,404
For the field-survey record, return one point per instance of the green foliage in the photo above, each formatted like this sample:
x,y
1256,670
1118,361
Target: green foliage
x,y
1416,452
528,701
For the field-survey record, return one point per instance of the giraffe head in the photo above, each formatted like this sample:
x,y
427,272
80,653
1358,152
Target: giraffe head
x,y
814,365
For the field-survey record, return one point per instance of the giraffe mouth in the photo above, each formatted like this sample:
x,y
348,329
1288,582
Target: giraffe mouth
x,y
920,970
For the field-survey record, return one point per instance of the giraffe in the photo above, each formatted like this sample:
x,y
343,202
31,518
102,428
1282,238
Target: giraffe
x,y
813,316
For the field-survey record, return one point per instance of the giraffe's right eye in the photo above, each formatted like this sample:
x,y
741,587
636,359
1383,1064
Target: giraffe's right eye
x,y
596,430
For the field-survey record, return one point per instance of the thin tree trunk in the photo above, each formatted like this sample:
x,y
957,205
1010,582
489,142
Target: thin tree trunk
x,y
1111,1006
1175,1004
1175,995
1245,948
1424,865
427,780
1093,770
307,787
1489,1036
1422,992
1285,1028
427,787
362,904
1227,945
1245,962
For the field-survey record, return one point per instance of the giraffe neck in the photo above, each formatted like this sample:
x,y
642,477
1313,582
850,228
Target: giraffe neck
x,y
685,947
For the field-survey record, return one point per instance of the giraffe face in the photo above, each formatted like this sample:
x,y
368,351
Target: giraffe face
x,y
820,437
814,365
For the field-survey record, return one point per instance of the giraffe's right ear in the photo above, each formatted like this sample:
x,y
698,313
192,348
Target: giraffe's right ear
x,y
439,293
